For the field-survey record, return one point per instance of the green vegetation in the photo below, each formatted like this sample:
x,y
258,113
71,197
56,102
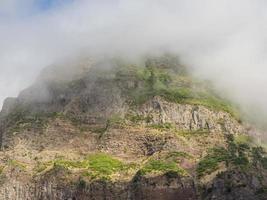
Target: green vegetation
x,y
162,126
193,133
113,121
104,164
243,139
81,184
116,120
138,118
162,166
184,133
95,165
40,167
211,161
166,163
1,169
157,79
261,191
259,157
238,153
17,164
163,76
22,119
177,155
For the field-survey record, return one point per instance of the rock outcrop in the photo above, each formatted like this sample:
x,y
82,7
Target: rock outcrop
x,y
113,131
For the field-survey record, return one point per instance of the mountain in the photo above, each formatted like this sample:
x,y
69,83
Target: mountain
x,y
111,129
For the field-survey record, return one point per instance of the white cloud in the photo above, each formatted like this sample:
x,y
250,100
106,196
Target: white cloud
x,y
224,40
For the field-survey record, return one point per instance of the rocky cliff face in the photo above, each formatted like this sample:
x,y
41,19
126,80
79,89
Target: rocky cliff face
x,y
111,130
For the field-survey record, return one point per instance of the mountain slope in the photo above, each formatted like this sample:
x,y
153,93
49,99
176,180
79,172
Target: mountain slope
x,y
114,130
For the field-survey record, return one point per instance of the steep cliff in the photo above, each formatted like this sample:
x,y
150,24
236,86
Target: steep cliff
x,y
114,130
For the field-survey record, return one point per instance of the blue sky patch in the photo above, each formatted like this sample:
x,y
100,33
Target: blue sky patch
x,y
50,4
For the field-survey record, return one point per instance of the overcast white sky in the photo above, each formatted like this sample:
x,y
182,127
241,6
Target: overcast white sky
x,y
225,40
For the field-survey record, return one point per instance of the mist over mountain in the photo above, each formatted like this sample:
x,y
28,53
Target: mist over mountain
x,y
114,128
121,99
223,41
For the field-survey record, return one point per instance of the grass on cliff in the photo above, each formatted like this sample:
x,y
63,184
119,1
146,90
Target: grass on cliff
x,y
166,163
211,161
239,153
17,164
97,165
136,118
160,166
153,80
22,119
183,133
2,169
104,166
192,133
162,126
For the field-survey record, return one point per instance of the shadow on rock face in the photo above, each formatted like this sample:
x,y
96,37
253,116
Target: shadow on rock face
x,y
59,184
165,187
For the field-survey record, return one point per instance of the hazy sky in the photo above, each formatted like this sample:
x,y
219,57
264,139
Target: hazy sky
x,y
224,40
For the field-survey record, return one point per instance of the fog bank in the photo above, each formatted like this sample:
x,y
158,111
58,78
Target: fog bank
x,y
223,40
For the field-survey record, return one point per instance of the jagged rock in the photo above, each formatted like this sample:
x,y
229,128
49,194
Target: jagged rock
x,y
153,148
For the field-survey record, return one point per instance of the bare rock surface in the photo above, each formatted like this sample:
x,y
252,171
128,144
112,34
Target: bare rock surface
x,y
88,136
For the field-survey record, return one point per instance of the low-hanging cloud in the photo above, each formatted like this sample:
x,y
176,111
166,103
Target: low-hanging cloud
x,y
224,40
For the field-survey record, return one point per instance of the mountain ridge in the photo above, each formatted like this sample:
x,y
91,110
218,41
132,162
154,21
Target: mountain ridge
x,y
130,132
